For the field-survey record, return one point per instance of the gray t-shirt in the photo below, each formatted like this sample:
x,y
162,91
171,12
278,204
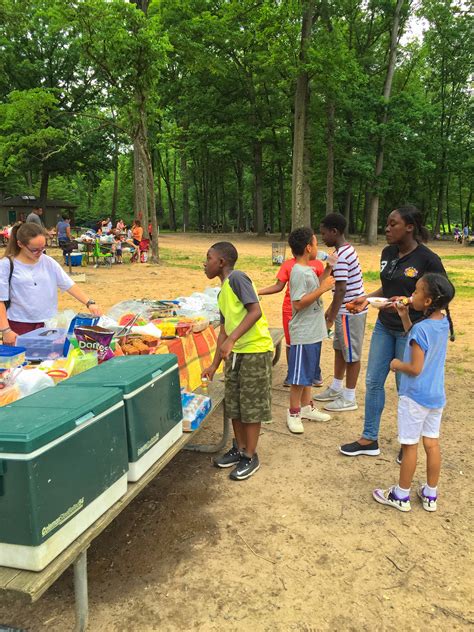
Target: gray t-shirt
x,y
34,219
307,326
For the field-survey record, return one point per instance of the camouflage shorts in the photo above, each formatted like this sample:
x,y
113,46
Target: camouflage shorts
x,y
248,384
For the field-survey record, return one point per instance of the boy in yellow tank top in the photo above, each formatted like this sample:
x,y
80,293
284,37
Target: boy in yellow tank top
x,y
246,346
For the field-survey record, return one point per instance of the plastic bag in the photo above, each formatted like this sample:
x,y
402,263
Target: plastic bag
x,y
61,320
31,381
128,307
78,361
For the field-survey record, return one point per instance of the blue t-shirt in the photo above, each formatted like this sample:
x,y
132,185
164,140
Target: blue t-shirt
x,y
61,228
427,389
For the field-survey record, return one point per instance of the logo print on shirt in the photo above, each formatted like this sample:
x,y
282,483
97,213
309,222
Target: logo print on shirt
x,y
382,265
411,272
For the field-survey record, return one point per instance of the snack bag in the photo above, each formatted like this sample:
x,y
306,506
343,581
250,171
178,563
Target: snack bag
x,y
95,339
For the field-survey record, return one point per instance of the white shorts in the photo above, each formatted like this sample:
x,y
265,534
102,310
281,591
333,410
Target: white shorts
x,y
415,421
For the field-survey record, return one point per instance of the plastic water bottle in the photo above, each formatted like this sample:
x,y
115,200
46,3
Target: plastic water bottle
x,y
322,255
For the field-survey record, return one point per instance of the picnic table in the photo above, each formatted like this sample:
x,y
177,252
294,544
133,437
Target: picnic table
x,y
32,585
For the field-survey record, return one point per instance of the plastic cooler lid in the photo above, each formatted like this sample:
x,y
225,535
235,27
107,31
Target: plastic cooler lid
x,y
36,420
125,372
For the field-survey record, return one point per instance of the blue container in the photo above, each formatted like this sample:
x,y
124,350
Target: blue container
x,y
43,344
76,258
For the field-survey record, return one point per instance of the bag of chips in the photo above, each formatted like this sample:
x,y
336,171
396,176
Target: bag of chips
x,y
95,339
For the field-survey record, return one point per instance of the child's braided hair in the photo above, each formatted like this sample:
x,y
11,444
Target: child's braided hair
x,y
441,291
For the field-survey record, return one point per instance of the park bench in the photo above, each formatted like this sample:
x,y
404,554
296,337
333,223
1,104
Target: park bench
x,y
32,585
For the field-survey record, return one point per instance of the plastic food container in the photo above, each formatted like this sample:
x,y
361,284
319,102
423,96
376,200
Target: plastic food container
x,y
200,324
11,357
183,329
43,344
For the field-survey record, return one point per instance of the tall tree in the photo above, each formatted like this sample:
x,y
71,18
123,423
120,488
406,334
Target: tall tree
x,y
373,213
300,204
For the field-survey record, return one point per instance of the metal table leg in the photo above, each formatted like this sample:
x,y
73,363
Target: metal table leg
x,y
201,447
80,591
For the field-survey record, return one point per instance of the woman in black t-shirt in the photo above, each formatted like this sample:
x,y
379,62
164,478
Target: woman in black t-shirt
x,y
402,263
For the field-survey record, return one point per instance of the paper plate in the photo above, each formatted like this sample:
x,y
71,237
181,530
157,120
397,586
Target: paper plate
x,y
377,301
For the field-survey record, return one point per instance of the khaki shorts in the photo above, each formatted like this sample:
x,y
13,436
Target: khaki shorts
x,y
349,332
248,384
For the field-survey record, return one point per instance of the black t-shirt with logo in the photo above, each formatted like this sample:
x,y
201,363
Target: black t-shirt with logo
x,y
399,276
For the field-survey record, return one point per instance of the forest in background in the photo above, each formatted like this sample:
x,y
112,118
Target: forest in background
x,y
240,114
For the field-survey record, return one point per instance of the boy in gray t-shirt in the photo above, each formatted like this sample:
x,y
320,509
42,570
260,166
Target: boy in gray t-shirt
x,y
307,328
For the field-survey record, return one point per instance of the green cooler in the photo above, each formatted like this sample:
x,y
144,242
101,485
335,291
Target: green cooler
x,y
63,463
152,396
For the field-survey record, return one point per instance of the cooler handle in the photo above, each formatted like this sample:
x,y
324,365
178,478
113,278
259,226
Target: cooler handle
x,y
156,373
84,418
3,469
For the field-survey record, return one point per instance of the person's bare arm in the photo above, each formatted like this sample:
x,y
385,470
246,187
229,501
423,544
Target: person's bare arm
x,y
308,299
8,336
272,289
209,371
415,366
337,300
82,297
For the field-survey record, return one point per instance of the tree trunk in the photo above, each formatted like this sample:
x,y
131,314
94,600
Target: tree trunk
x,y
448,214
139,181
330,150
185,191
348,206
43,196
258,180
116,182
307,161
282,201
145,160
301,213
373,214
239,176
467,214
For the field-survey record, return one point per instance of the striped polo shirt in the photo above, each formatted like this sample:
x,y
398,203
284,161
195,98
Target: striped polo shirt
x,y
348,269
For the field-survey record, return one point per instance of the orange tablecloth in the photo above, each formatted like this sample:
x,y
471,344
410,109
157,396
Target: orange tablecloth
x,y
195,352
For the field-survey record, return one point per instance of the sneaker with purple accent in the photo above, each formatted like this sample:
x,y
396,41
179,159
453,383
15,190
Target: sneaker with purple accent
x,y
388,497
429,502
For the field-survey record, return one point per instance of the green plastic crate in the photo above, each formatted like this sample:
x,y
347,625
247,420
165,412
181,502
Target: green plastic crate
x,y
153,411
63,463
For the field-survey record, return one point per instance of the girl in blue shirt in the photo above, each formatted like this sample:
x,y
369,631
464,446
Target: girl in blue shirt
x,y
421,395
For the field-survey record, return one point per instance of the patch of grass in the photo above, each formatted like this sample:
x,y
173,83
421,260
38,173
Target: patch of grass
x,y
460,257
371,275
464,291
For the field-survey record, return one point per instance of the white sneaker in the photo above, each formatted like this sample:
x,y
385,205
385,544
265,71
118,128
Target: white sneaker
x,y
341,404
294,423
310,412
327,395
429,502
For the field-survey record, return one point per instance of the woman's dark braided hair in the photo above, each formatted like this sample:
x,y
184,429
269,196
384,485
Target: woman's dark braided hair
x,y
441,291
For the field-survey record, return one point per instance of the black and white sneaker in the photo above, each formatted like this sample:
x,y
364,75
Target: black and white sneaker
x,y
357,449
246,467
230,458
400,456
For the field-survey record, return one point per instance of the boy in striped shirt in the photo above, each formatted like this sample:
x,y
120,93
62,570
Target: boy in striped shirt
x,y
349,328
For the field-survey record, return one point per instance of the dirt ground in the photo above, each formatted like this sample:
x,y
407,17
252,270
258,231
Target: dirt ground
x,y
301,545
